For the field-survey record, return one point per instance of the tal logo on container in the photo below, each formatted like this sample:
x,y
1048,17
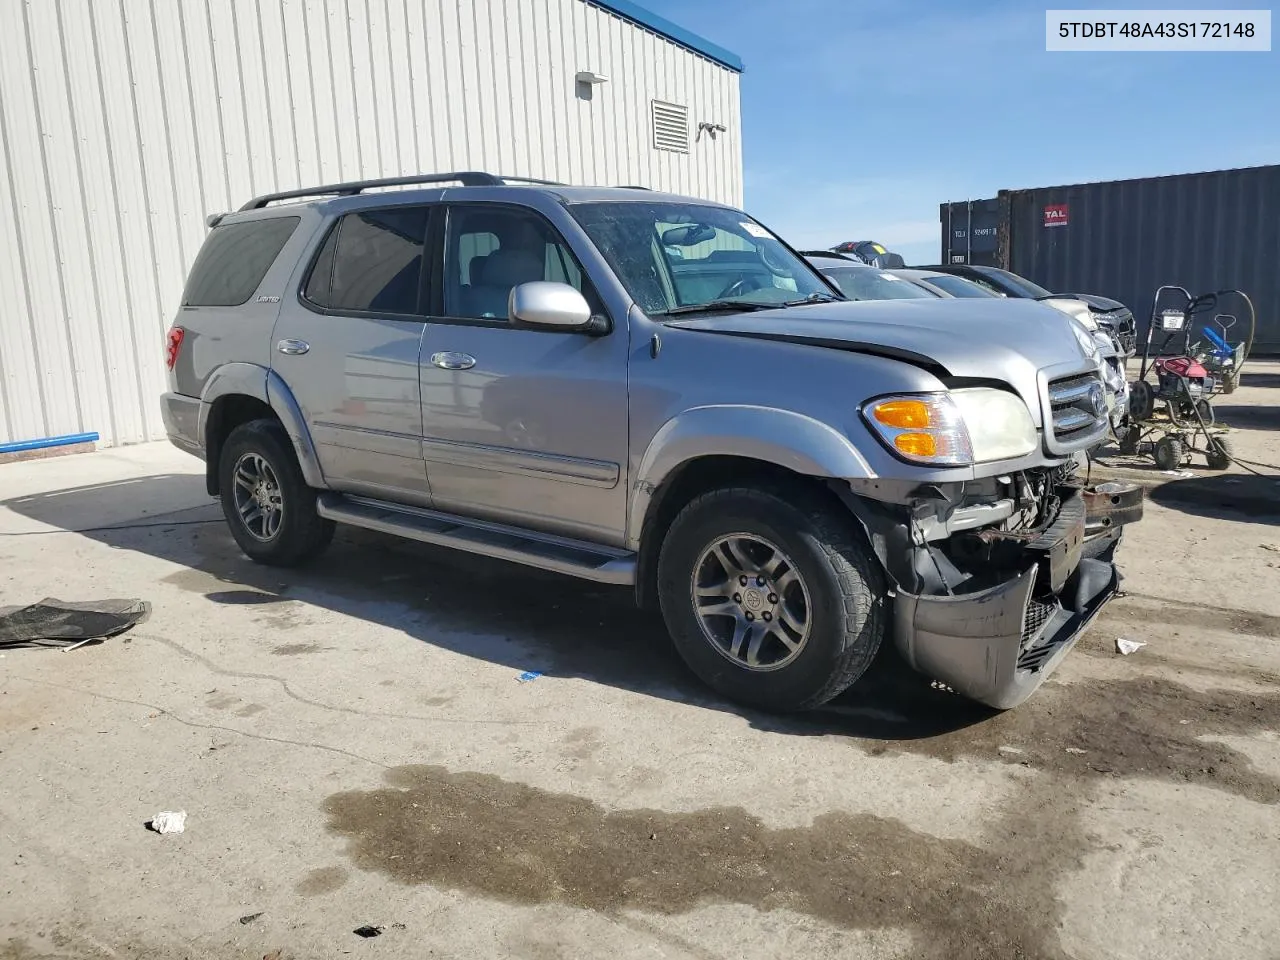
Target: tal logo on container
x,y
1055,215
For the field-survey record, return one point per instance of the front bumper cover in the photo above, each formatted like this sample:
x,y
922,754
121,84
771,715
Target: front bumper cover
x,y
998,644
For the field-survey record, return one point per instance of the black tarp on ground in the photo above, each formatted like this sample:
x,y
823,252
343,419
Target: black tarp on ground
x,y
53,622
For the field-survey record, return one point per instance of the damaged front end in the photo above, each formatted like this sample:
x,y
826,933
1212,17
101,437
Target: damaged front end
x,y
996,579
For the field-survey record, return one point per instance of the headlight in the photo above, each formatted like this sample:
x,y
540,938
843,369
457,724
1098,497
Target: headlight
x,y
975,425
999,425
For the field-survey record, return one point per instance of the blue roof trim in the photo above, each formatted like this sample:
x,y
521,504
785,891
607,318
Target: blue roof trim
x,y
661,25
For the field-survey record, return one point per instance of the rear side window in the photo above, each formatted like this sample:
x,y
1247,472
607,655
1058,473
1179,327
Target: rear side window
x,y
371,262
234,259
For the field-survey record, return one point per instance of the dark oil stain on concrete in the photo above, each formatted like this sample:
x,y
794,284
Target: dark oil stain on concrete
x,y
1143,727
1140,608
321,881
436,701
297,649
486,836
224,702
250,710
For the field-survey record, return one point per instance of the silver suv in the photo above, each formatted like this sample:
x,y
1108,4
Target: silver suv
x,y
637,388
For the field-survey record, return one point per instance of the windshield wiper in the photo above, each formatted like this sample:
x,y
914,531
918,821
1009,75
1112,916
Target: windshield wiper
x,y
815,298
722,306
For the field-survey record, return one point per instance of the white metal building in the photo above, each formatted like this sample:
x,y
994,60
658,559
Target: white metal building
x,y
125,122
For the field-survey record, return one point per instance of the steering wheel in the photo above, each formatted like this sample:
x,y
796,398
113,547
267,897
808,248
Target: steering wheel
x,y
739,287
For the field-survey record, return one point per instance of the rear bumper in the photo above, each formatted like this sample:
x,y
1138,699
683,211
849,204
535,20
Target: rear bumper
x,y
181,416
998,644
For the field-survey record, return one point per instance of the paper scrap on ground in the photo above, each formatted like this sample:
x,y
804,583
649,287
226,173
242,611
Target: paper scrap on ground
x,y
1125,647
169,821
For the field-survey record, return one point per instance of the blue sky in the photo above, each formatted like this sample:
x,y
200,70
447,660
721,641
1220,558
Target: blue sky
x,y
859,118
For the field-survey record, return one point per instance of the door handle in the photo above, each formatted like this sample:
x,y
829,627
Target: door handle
x,y
294,348
449,360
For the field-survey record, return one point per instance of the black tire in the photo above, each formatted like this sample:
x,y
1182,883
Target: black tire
x,y
1142,401
1129,437
1220,453
302,535
1168,453
843,581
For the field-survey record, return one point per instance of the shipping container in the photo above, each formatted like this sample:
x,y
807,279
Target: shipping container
x,y
1124,238
970,231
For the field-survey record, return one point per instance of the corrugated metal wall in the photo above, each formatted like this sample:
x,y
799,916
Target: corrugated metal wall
x,y
1125,238
124,122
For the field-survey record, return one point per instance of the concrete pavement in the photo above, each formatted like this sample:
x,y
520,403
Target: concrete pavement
x,y
352,747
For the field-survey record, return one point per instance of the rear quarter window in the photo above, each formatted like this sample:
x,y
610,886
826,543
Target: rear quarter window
x,y
234,259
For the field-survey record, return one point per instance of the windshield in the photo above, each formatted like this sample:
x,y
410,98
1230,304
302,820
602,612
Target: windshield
x,y
1021,286
868,283
679,256
958,286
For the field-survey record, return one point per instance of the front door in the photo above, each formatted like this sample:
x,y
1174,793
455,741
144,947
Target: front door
x,y
349,352
521,426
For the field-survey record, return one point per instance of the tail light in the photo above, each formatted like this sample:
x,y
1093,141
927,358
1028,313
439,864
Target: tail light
x,y
176,336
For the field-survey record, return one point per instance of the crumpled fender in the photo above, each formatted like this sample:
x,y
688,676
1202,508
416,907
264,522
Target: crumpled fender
x,y
261,383
782,437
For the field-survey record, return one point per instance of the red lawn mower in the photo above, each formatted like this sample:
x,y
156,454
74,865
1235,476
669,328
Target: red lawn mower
x,y
1167,418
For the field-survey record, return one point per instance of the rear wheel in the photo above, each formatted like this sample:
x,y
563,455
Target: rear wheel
x,y
268,506
1168,453
771,596
1142,400
1220,452
1129,436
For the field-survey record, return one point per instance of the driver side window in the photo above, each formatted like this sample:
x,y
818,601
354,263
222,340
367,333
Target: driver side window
x,y
490,250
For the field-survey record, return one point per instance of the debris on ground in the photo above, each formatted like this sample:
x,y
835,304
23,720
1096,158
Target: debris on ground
x,y
168,821
61,623
246,920
1076,751
528,675
1125,647
367,931
1005,748
273,955
1270,546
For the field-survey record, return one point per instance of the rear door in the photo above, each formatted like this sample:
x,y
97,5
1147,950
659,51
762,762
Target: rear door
x,y
523,426
348,348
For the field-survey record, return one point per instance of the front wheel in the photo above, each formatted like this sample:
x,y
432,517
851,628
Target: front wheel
x,y
772,597
268,506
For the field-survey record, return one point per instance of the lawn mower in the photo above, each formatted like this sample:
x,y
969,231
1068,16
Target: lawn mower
x,y
1167,418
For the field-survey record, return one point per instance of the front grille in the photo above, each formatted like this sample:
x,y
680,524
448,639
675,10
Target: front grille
x,y
1033,655
1038,615
1077,407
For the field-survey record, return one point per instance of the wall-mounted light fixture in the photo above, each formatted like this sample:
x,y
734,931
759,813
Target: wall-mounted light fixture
x,y
711,129
586,82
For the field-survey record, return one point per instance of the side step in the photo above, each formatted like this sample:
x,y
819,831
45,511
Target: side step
x,y
577,558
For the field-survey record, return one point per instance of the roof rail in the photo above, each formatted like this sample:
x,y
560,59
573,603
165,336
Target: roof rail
x,y
468,178
632,186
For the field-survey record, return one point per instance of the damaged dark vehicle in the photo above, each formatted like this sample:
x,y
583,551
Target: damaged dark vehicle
x,y
642,389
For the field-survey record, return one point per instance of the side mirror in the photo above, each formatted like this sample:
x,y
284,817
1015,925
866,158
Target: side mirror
x,y
545,305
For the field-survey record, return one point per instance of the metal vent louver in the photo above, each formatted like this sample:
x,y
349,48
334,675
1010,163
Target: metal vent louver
x,y
670,127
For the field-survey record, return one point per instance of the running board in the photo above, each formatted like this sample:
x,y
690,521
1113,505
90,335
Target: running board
x,y
577,558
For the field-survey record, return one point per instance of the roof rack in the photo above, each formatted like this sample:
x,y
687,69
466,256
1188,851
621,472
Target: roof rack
x,y
468,178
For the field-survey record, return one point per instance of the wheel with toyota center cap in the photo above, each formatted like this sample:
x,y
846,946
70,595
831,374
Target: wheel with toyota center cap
x,y
267,504
771,595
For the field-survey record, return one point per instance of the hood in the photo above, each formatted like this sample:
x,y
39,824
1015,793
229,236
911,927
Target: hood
x,y
1008,340
1103,304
